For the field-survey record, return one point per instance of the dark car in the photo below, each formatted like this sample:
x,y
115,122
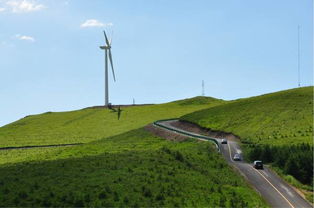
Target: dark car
x,y
258,164
224,141
237,157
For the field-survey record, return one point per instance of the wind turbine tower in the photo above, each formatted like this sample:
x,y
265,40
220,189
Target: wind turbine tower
x,y
107,49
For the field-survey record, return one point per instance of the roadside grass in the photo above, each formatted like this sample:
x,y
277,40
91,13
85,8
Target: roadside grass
x,y
306,189
276,128
93,123
134,169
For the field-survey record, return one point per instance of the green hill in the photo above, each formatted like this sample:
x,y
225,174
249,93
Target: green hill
x,y
117,166
284,117
134,169
199,100
91,124
276,128
121,164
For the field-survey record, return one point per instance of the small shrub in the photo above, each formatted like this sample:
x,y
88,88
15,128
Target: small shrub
x,y
179,156
102,195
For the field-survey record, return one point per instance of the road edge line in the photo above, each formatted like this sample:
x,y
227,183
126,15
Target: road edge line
x,y
274,187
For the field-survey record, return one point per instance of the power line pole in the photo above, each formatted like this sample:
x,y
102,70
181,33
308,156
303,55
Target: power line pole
x,y
203,88
299,80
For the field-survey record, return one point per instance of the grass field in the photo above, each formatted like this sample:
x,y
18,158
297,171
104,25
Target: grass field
x,y
92,124
132,169
121,164
279,118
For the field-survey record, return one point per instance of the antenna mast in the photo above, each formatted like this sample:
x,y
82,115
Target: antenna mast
x,y
299,81
203,88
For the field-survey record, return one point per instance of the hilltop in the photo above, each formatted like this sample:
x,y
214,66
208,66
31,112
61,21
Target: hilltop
x,y
91,124
199,100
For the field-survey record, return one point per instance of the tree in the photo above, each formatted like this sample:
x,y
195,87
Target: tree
x,y
291,167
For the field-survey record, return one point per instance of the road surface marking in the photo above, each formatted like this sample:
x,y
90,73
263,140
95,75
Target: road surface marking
x,y
286,189
266,173
265,179
230,152
274,187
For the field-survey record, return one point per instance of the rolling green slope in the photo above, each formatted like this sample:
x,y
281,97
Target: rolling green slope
x,y
134,169
116,166
121,164
92,124
276,128
284,117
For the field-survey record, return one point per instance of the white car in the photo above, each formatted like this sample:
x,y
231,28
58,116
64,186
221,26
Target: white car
x,y
237,157
258,164
224,141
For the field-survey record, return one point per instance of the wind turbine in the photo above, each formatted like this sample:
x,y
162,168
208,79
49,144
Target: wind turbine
x,y
107,49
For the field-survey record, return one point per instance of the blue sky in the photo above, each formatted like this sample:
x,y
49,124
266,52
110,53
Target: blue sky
x,y
162,50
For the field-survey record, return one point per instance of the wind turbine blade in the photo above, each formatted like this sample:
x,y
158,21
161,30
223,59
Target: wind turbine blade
x,y
107,42
110,58
111,38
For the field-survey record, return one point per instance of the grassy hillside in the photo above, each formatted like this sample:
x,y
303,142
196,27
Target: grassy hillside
x,y
199,100
284,117
276,128
92,124
115,166
133,169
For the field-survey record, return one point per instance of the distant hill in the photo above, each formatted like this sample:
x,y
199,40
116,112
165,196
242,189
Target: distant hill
x,y
199,100
275,118
92,124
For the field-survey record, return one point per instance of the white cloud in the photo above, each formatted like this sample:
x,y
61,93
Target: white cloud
x,y
24,6
95,23
2,9
25,37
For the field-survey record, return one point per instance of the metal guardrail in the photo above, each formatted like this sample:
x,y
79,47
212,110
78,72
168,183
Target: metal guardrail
x,y
210,139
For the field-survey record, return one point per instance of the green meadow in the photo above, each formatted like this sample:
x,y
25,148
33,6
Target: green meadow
x,y
91,124
121,164
284,117
134,169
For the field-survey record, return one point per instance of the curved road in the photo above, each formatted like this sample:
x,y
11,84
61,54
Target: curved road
x,y
272,188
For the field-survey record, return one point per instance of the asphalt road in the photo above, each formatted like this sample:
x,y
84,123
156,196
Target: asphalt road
x,y
271,187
